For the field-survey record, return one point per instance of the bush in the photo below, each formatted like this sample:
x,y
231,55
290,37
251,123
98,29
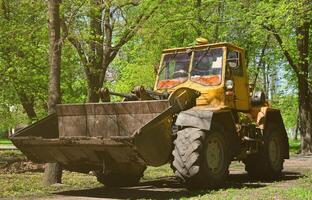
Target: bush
x,y
3,134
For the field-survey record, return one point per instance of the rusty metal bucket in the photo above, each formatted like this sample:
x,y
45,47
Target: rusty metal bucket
x,y
115,136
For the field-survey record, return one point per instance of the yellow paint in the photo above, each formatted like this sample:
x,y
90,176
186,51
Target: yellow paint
x,y
201,41
210,95
241,83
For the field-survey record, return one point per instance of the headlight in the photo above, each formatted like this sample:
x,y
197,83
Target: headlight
x,y
229,85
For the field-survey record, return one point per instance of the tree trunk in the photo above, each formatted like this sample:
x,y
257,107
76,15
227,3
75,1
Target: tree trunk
x,y
93,88
305,95
272,87
264,77
95,69
297,126
305,118
53,171
28,105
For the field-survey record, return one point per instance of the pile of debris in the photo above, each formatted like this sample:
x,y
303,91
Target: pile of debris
x,y
14,163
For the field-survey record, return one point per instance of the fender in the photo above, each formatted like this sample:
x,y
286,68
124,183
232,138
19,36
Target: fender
x,y
207,118
268,117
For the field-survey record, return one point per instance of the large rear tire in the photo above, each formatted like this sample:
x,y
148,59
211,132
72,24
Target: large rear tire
x,y
268,163
201,159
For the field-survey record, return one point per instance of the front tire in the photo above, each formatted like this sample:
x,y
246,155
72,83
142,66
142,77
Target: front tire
x,y
201,159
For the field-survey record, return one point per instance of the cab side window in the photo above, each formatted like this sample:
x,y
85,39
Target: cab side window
x,y
234,62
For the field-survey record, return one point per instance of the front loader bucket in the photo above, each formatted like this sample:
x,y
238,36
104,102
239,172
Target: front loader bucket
x,y
124,136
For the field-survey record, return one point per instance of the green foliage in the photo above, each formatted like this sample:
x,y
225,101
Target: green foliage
x,y
23,65
288,105
10,119
294,146
5,142
133,75
24,46
73,82
134,66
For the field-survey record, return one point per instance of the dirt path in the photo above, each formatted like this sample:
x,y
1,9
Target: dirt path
x,y
168,187
298,163
7,147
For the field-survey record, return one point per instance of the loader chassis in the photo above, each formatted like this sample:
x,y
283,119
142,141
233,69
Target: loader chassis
x,y
200,116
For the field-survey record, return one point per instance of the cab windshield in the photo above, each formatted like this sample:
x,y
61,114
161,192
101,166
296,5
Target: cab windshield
x,y
206,68
174,70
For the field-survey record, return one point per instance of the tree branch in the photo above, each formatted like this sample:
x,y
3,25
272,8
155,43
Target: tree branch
x,y
132,30
261,59
285,52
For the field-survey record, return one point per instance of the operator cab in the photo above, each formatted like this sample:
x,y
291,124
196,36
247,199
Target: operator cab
x,y
200,66
216,70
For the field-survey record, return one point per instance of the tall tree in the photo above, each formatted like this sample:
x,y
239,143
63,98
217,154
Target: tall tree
x,y
299,58
21,53
111,25
53,171
289,22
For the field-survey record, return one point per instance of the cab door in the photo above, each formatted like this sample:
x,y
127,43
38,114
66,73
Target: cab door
x,y
238,73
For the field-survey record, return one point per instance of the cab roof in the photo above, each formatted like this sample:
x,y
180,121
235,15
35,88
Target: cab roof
x,y
221,44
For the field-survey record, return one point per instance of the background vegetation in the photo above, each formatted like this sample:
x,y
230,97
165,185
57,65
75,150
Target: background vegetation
x,y
24,47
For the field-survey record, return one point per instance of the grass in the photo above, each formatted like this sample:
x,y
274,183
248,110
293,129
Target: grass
x,y
11,154
7,155
5,142
28,185
156,172
300,189
260,193
294,146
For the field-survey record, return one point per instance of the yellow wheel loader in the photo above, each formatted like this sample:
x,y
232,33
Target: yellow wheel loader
x,y
201,115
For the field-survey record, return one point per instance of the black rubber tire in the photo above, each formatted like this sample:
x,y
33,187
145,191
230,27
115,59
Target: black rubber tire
x,y
118,180
260,165
190,162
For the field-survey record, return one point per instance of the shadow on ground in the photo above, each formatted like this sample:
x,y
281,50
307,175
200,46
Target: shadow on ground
x,y
169,187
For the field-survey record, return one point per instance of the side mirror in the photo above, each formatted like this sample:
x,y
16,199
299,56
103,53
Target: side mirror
x,y
233,60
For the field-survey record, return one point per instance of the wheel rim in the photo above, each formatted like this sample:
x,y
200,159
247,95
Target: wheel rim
x,y
274,152
214,154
